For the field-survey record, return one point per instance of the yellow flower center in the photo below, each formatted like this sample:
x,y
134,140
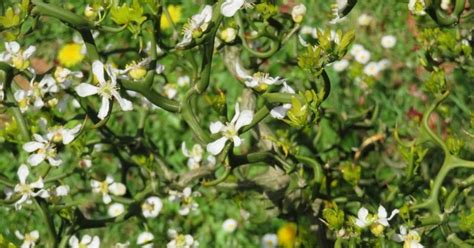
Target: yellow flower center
x,y
106,90
229,131
24,189
20,63
104,187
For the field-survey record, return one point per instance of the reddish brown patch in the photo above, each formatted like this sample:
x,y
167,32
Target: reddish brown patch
x,y
22,82
41,66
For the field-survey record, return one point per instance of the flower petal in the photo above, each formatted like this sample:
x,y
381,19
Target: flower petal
x,y
104,108
28,52
106,198
237,141
362,213
117,189
279,112
54,161
382,213
36,159
73,241
98,71
38,184
216,127
32,146
244,119
84,90
12,47
23,173
230,7
125,104
216,147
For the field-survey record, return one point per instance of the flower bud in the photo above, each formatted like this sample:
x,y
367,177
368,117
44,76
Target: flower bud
x,y
137,73
90,12
228,35
377,229
298,13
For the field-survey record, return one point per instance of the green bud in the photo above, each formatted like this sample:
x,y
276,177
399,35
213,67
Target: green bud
x,y
466,222
10,19
351,172
334,218
436,83
454,145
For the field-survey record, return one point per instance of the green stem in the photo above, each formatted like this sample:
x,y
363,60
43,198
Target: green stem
x,y
425,122
64,15
257,118
19,118
453,238
43,207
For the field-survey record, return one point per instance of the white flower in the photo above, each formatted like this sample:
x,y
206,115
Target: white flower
x,y
29,239
365,20
106,89
180,240
115,209
151,207
417,7
194,155
229,225
62,134
230,7
185,199
260,81
15,56
86,242
382,216
411,239
108,186
372,69
388,41
144,239
279,112
41,149
445,4
34,94
269,240
230,130
298,12
197,25
362,56
364,219
26,190
340,65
